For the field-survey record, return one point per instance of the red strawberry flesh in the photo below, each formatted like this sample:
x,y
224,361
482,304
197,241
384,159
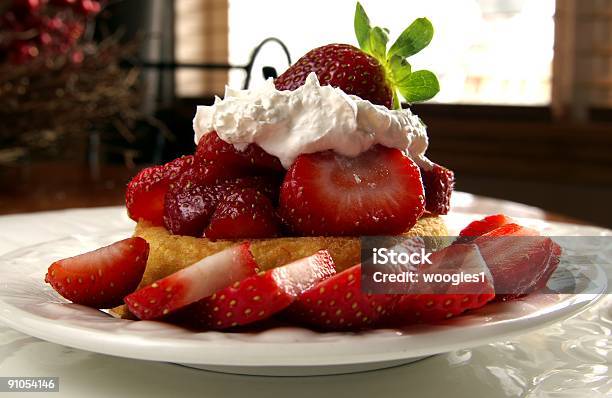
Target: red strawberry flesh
x,y
480,227
144,196
237,207
439,183
338,303
188,209
376,193
103,277
520,260
431,302
212,149
193,283
207,173
258,297
266,184
243,214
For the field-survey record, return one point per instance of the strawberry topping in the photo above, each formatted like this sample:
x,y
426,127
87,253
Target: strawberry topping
x,y
342,66
103,277
376,193
188,208
261,296
207,173
243,214
144,197
242,208
193,283
267,185
253,159
438,183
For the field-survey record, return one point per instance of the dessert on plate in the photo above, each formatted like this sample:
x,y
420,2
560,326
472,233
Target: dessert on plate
x,y
264,219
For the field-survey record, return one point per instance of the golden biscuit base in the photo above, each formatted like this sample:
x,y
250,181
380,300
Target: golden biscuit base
x,y
171,253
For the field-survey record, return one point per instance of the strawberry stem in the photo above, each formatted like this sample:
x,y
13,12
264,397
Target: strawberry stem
x,y
423,85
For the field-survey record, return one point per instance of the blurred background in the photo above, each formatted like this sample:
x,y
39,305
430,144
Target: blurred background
x,y
92,91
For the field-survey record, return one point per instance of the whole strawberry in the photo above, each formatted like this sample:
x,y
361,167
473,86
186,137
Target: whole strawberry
x,y
343,66
370,72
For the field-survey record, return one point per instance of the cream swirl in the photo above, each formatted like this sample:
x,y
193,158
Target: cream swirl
x,y
310,119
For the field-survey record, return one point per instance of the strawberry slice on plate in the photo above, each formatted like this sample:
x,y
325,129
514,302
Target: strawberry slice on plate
x,y
338,303
378,192
520,260
193,283
260,296
103,277
480,227
429,301
212,149
439,183
144,196
244,214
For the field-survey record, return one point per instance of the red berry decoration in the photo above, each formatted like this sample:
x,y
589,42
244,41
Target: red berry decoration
x,y
370,72
247,214
251,160
144,196
343,66
439,183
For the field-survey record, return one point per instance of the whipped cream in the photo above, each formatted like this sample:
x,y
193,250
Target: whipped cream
x,y
310,119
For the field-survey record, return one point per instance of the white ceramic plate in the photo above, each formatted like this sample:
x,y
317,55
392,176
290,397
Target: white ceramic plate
x,y
31,306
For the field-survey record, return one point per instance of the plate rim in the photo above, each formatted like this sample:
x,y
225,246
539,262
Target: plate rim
x,y
223,351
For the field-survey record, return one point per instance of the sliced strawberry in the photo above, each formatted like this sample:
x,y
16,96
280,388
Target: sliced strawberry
x,y
511,229
103,277
144,196
481,227
188,208
243,214
439,183
193,283
520,260
261,296
376,193
429,301
338,303
251,160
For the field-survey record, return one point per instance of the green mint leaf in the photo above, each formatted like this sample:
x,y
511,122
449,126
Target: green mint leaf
x,y
362,28
419,86
412,40
378,43
400,69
